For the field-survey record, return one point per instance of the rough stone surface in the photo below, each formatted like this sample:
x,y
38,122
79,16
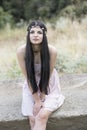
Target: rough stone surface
x,y
71,116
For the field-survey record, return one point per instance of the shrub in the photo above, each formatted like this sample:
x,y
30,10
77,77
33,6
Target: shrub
x,y
82,64
81,9
69,11
4,18
66,64
75,10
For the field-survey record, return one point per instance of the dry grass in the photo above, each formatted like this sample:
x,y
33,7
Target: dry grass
x,y
10,40
67,36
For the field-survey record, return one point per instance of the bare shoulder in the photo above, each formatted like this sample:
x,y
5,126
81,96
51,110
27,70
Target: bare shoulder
x,y
52,50
21,51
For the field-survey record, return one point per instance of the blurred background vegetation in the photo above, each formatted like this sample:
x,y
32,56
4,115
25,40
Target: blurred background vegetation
x,y
66,21
14,11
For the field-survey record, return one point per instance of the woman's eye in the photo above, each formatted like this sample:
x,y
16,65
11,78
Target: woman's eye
x,y
39,32
31,32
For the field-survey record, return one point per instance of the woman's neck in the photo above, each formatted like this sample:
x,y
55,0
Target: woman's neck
x,y
36,51
36,48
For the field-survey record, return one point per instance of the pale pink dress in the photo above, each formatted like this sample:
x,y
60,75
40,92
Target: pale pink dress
x,y
53,100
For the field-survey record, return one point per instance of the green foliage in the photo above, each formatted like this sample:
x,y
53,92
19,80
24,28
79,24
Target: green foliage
x,y
14,70
78,10
15,8
65,64
81,9
30,9
63,4
43,9
69,11
82,64
4,18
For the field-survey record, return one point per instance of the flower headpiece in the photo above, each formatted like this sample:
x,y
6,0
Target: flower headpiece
x,y
37,23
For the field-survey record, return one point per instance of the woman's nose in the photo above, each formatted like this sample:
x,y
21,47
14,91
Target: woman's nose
x,y
35,34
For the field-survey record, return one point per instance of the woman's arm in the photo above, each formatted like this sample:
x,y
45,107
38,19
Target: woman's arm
x,y
53,57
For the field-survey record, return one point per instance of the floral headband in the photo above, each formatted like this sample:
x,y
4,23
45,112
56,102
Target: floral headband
x,y
36,24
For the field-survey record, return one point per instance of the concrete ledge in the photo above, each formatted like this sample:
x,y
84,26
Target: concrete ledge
x,y
71,116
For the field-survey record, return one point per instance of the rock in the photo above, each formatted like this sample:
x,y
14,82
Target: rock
x,y
71,116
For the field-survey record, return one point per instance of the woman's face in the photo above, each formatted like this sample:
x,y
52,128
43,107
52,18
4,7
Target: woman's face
x,y
36,35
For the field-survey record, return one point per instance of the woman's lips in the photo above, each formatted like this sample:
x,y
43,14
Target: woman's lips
x,y
35,39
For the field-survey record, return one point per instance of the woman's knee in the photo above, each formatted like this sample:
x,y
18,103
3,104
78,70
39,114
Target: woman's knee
x,y
42,116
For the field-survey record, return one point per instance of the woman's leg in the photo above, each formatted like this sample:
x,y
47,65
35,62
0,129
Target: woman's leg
x,y
31,122
41,119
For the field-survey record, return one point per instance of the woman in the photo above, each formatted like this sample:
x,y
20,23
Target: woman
x,y
41,90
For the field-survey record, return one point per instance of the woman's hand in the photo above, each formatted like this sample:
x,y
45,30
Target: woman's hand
x,y
42,97
37,106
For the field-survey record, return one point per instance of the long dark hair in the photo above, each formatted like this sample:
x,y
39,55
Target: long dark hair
x,y
45,60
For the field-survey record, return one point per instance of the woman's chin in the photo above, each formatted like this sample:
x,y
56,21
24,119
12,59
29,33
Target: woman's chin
x,y
36,43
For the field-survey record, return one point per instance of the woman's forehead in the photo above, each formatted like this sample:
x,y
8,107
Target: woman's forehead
x,y
36,28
